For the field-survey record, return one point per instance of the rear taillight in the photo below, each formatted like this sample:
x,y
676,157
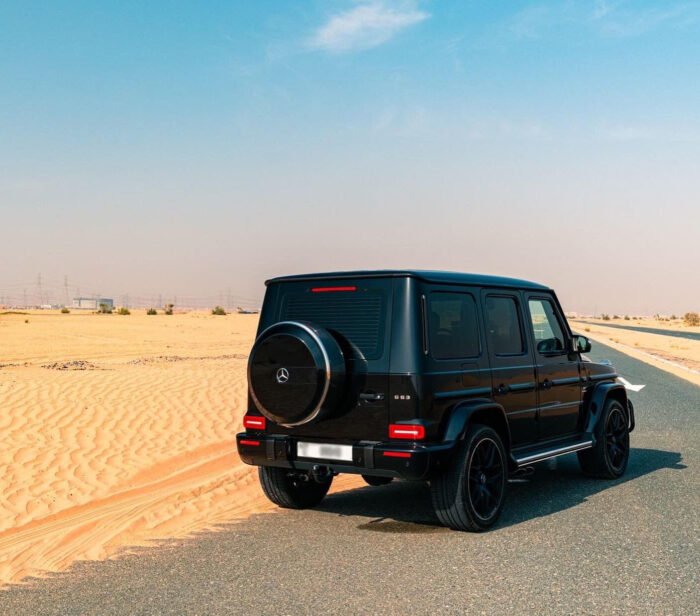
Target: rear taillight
x,y
396,454
254,422
408,432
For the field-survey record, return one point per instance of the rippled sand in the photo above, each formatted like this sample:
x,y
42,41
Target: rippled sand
x,y
119,430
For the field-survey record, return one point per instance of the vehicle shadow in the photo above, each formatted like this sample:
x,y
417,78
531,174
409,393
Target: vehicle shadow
x,y
556,485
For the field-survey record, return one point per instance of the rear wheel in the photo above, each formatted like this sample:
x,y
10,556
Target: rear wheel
x,y
608,459
292,489
469,495
373,480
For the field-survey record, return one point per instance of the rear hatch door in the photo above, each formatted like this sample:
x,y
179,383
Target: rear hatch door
x,y
357,311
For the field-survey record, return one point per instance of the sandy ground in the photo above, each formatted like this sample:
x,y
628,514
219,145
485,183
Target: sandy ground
x,y
680,356
119,430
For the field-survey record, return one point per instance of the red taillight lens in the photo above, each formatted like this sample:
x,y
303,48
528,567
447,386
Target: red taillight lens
x,y
250,443
396,454
407,431
332,289
254,422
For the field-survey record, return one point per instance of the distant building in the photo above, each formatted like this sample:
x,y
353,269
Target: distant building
x,y
92,303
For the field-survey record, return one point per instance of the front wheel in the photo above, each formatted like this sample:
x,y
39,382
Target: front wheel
x,y
469,494
608,459
292,489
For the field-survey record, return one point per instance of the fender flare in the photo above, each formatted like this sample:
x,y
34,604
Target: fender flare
x,y
462,414
601,392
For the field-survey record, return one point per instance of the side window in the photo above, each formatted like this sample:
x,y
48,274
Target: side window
x,y
453,326
545,326
503,325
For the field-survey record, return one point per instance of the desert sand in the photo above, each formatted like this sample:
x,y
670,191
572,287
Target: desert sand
x,y
679,356
119,431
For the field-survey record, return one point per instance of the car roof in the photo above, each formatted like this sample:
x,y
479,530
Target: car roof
x,y
441,277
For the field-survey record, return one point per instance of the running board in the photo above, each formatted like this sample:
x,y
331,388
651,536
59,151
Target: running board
x,y
553,453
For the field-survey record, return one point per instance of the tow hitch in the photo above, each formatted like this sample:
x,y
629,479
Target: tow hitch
x,y
321,474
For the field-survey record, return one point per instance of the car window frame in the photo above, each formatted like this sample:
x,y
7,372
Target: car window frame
x,y
426,325
557,316
524,337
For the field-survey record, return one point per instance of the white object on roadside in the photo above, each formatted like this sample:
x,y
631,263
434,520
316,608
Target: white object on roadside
x,y
629,385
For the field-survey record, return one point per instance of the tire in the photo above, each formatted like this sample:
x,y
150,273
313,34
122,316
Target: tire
x,y
291,489
296,373
608,458
373,480
469,494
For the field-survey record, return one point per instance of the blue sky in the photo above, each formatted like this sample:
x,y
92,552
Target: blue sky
x,y
191,147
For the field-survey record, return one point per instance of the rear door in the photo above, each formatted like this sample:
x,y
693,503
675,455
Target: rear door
x,y
456,362
512,366
358,314
558,377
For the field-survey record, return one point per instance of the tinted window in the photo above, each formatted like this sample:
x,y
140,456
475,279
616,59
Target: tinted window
x,y
453,325
358,316
503,324
545,326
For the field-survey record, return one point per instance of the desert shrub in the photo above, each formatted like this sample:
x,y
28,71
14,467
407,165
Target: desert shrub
x,y
105,309
673,317
587,329
218,310
65,310
691,319
627,317
605,317
616,317
169,308
151,311
124,310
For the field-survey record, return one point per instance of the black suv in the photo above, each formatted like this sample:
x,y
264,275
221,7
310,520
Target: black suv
x,y
461,380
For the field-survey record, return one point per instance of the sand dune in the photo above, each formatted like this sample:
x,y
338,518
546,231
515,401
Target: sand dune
x,y
117,431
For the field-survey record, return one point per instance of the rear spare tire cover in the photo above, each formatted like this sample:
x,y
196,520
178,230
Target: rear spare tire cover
x,y
296,373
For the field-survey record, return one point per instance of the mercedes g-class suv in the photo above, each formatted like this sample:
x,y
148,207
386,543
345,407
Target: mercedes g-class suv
x,y
455,379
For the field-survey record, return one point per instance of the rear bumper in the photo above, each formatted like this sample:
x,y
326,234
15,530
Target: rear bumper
x,y
383,459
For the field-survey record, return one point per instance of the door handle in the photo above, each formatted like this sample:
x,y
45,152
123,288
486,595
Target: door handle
x,y
546,384
502,389
370,396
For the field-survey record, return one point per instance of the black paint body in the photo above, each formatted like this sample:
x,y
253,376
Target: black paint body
x,y
535,400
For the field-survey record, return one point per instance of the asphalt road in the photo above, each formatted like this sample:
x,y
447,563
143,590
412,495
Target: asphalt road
x,y
649,330
565,544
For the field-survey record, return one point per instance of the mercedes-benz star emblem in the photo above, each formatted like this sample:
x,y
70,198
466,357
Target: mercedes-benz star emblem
x,y
282,376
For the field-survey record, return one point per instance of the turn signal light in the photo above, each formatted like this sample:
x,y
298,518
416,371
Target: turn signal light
x,y
254,422
409,432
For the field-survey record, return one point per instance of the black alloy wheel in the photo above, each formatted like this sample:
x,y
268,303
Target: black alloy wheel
x,y
486,472
469,494
617,439
608,458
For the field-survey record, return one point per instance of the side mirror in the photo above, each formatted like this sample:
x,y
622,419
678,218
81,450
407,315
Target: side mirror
x,y
580,344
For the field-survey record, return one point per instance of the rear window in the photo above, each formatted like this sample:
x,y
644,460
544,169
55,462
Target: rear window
x,y
355,312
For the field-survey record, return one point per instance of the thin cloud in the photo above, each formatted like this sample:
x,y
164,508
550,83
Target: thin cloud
x,y
364,27
617,19
627,22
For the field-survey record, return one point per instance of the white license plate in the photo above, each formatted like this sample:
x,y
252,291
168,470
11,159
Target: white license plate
x,y
325,451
